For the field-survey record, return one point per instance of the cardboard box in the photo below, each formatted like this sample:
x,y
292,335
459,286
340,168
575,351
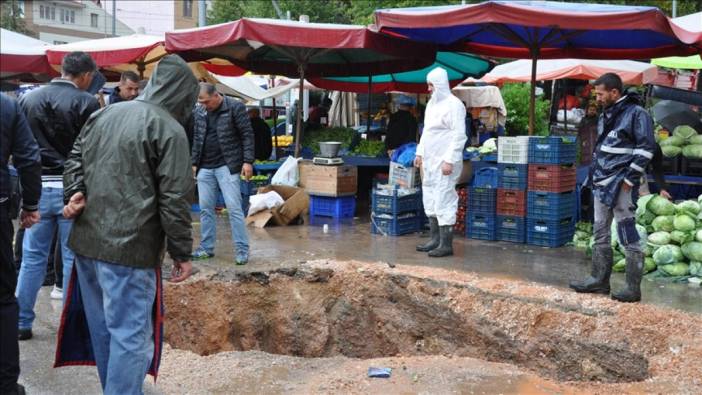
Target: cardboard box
x,y
297,203
331,181
405,177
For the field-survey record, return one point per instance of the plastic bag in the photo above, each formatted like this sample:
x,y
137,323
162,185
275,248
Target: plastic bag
x,y
288,173
264,201
405,154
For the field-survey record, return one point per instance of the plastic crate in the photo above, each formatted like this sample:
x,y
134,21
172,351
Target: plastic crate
x,y
395,226
512,176
482,200
552,178
550,206
552,150
691,167
481,226
550,233
671,166
511,202
336,207
394,204
510,228
513,150
490,158
486,177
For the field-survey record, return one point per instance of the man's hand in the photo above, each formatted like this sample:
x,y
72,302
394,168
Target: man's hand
x,y
665,194
181,271
75,206
195,172
29,218
418,161
446,168
626,187
247,171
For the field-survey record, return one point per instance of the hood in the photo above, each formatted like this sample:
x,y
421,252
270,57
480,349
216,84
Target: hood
x,y
439,79
172,87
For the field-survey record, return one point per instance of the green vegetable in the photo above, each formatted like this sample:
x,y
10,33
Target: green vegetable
x,y
693,251
688,206
679,237
619,266
692,151
671,151
659,238
649,265
684,132
696,268
672,140
698,235
675,269
584,227
369,148
668,254
663,223
684,223
312,138
661,206
696,139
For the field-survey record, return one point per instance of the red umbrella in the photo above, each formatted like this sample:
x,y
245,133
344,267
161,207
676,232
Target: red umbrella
x,y
298,49
21,55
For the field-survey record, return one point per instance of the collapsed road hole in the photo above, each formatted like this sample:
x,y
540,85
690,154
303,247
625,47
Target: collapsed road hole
x,y
321,313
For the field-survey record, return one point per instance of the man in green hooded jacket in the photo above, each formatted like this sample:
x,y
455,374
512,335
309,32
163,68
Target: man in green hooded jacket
x,y
126,183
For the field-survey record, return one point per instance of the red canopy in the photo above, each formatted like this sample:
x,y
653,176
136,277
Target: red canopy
x,y
21,55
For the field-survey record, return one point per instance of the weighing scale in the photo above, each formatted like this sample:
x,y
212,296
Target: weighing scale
x,y
327,161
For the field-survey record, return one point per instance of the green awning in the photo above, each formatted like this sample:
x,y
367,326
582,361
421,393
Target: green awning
x,y
693,62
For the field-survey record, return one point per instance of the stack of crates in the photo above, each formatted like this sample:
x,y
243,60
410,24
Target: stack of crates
x,y
395,213
513,159
551,197
482,195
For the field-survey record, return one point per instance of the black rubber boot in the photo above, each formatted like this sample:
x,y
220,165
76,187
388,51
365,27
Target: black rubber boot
x,y
634,273
445,247
433,236
598,282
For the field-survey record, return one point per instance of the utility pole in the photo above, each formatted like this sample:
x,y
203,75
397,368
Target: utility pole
x,y
675,8
201,13
114,18
278,11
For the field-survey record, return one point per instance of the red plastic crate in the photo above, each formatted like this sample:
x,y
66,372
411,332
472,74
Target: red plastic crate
x,y
511,202
552,178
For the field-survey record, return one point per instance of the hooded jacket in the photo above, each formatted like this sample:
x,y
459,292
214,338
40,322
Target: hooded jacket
x,y
132,162
625,146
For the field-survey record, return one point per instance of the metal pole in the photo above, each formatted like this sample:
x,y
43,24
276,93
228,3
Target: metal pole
x,y
298,120
114,18
675,8
532,99
368,124
201,13
275,122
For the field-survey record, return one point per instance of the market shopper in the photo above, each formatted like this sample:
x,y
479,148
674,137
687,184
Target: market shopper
x,y
263,142
124,223
625,146
223,151
16,141
56,113
440,156
402,125
128,88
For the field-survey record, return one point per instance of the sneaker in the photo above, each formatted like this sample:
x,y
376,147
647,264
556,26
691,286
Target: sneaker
x,y
201,254
24,334
57,293
241,260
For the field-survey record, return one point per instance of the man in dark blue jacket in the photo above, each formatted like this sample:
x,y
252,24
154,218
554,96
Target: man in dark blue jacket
x,y
16,141
625,146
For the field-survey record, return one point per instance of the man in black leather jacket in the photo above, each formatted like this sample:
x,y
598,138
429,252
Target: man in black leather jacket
x,y
56,113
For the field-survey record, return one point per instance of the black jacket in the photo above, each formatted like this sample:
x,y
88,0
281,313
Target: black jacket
x,y
16,140
402,129
233,131
56,113
263,140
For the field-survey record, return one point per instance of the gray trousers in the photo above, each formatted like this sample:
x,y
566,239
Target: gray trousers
x,y
624,212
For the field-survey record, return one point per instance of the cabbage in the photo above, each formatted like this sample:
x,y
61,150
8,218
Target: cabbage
x,y
672,140
663,223
671,151
659,238
684,223
661,206
668,254
699,199
619,266
692,151
698,235
688,206
643,201
693,251
679,237
696,269
696,139
645,217
675,269
490,145
617,256
684,132
649,265
648,251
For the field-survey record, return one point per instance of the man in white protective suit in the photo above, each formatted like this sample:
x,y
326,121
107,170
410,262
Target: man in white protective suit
x,y
440,156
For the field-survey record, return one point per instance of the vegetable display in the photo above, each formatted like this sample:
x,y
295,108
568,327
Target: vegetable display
x,y
312,138
369,148
684,140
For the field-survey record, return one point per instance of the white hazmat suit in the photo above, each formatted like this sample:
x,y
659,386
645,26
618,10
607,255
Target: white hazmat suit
x,y
443,140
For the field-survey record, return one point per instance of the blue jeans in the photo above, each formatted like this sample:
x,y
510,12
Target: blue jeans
x,y
35,253
207,182
119,303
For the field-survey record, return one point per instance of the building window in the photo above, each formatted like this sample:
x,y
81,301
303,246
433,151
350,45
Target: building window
x,y
73,17
53,13
188,8
94,20
56,42
41,11
63,19
20,4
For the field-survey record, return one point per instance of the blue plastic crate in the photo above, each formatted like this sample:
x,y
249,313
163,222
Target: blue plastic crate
x,y
337,207
511,228
552,150
513,176
490,157
550,205
550,233
482,200
394,204
480,226
395,226
486,177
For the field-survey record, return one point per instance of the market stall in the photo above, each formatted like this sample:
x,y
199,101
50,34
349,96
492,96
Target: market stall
x,y
23,57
